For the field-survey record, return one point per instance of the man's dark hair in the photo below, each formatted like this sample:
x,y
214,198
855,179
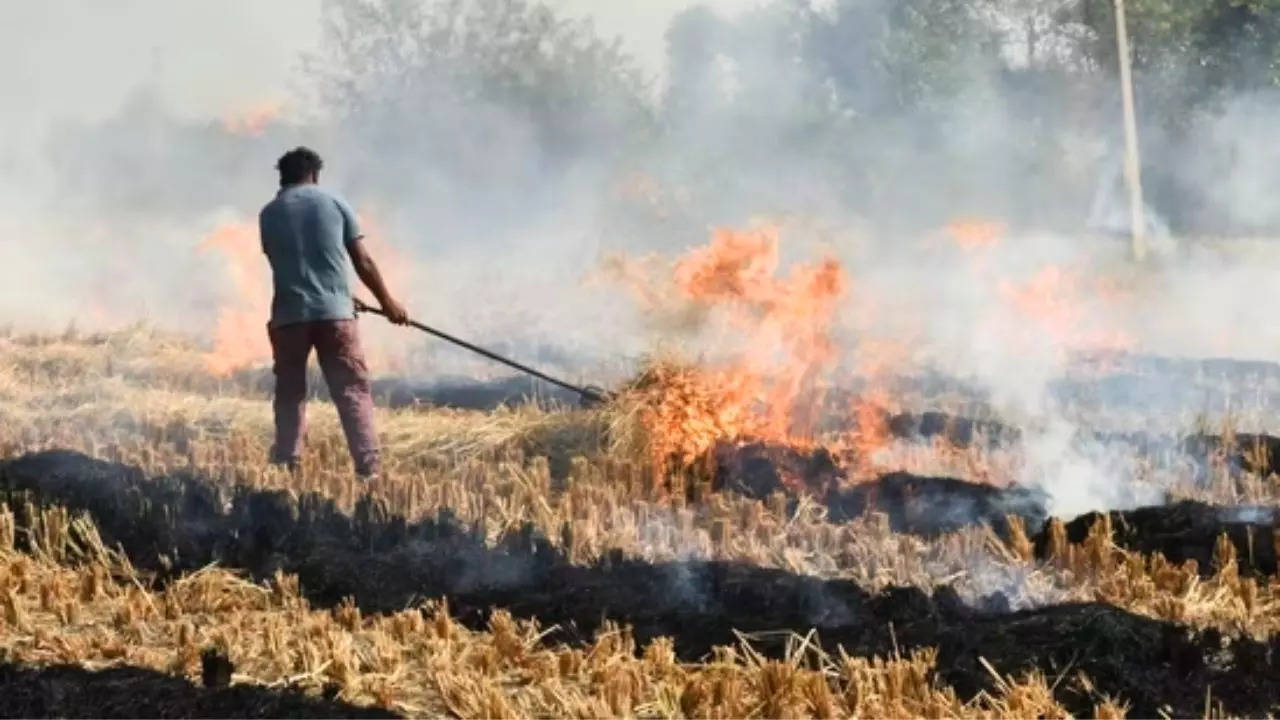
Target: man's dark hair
x,y
297,165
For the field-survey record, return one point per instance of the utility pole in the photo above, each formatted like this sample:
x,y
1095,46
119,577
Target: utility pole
x,y
1132,161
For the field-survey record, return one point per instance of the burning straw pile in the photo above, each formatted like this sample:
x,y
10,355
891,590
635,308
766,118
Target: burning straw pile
x,y
770,386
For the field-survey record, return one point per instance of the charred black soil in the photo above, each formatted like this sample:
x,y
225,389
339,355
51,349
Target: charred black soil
x,y
955,430
930,506
132,692
919,505
1153,665
180,523
468,394
1188,530
1259,454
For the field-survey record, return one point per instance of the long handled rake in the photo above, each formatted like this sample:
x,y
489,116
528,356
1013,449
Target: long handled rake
x,y
590,395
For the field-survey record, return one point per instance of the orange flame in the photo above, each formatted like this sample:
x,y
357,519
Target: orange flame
x,y
253,121
1054,299
240,336
972,235
770,389
788,319
1071,310
873,361
871,430
1049,298
383,345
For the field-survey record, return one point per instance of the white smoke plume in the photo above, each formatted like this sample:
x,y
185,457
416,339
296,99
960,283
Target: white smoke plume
x,y
505,150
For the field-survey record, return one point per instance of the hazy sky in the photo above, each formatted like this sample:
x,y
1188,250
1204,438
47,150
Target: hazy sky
x,y
75,58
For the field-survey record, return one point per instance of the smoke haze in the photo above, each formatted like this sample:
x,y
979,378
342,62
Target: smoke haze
x,y
502,153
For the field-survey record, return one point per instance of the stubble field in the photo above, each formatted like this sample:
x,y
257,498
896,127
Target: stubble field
x,y
534,562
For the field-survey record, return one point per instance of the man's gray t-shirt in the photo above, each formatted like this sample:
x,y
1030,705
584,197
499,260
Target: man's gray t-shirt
x,y
305,233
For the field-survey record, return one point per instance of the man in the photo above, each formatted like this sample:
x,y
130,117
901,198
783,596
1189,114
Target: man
x,y
308,234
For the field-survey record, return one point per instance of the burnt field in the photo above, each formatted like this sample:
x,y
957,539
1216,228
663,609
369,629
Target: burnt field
x,y
525,561
128,692
930,506
174,525
705,359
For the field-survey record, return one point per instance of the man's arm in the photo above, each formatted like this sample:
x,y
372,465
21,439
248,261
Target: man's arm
x,y
366,268
367,271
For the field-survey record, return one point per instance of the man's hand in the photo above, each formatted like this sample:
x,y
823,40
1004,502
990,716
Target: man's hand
x,y
395,312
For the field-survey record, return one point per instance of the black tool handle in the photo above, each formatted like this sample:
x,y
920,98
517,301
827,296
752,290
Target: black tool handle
x,y
586,393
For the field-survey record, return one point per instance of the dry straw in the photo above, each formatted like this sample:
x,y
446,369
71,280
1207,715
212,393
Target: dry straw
x,y
142,398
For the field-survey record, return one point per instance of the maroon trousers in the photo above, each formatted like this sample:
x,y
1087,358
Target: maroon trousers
x,y
342,362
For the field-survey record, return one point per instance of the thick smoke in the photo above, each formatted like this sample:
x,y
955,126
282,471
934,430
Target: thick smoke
x,y
503,152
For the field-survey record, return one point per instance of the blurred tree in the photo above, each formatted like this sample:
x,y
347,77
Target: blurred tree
x,y
884,58
494,93
1188,54
483,113
843,103
1192,59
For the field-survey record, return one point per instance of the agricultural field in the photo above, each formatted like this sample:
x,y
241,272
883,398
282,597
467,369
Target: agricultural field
x,y
729,359
640,558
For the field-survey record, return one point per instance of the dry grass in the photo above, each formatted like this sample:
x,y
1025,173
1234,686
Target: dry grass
x,y
489,468
72,601
144,399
